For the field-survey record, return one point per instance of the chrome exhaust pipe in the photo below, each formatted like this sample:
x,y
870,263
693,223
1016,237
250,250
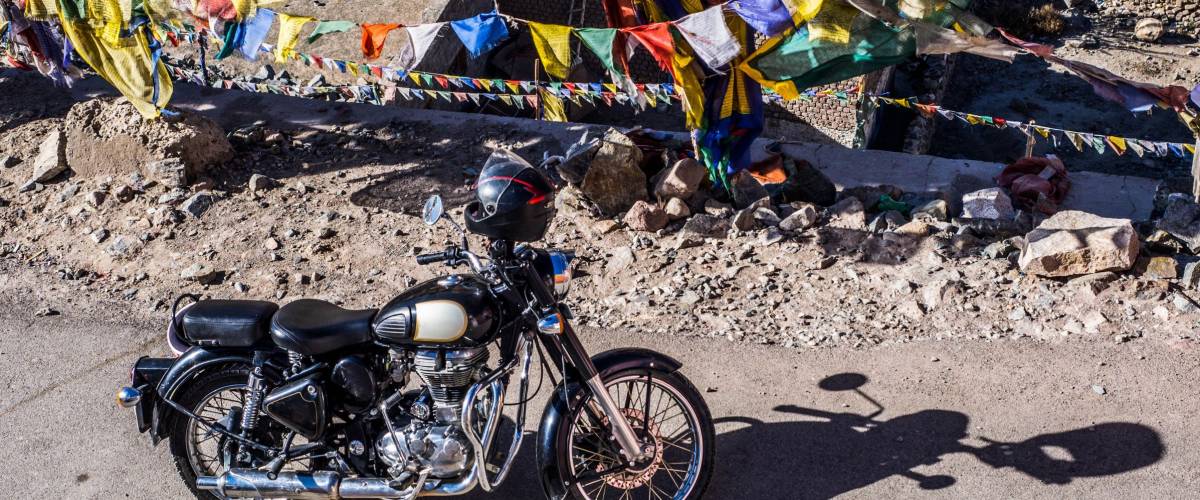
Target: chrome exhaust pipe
x,y
250,483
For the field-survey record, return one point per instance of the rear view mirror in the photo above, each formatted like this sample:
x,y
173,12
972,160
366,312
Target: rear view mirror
x,y
433,210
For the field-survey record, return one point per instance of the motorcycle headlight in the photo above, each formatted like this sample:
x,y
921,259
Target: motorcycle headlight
x,y
560,263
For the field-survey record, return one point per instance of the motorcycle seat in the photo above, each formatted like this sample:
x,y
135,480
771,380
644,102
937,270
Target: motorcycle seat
x,y
310,327
228,323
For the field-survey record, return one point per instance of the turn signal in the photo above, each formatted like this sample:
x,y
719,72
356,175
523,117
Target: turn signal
x,y
128,397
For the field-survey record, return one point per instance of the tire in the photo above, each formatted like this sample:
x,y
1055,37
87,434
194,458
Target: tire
x,y
192,396
673,387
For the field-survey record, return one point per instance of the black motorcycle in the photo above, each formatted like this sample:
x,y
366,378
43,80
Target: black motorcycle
x,y
310,400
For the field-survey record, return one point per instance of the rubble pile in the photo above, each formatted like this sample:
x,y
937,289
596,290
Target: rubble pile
x,y
784,258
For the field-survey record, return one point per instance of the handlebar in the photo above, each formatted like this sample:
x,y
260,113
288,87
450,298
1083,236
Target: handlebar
x,y
430,258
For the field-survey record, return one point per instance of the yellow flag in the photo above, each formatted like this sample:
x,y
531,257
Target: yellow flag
x,y
553,44
1190,148
289,33
1118,144
127,65
552,106
974,120
687,82
40,10
802,10
832,24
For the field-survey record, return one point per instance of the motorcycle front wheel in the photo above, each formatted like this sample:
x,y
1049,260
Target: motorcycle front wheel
x,y
666,411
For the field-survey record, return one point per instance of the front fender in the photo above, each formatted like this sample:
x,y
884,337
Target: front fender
x,y
192,363
568,393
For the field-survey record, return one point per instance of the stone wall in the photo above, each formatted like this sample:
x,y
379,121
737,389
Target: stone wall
x,y
1179,16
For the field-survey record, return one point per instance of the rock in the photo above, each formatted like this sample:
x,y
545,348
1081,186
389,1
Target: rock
x,y
172,197
1149,30
198,203
1158,266
677,209
51,159
1191,275
766,217
772,236
46,311
934,293
241,287
1092,285
271,244
743,220
936,210
106,137
9,161
1000,249
690,298
1099,389
120,246
202,274
990,203
848,214
646,217
1072,243
911,309
622,258
125,194
887,221
171,172
915,228
99,235
326,233
614,181
681,180
1017,314
95,198
746,189
804,217
1093,320
717,209
1181,219
259,182
706,226
1184,304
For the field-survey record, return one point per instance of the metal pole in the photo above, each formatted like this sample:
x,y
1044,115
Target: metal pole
x,y
1196,171
1030,141
537,83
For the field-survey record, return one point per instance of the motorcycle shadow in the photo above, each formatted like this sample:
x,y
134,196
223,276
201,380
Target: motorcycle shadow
x,y
829,453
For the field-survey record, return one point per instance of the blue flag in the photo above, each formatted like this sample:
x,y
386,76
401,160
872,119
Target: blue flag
x,y
481,33
256,32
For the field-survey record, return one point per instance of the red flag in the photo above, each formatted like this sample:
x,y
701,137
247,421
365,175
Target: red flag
x,y
373,37
441,80
657,39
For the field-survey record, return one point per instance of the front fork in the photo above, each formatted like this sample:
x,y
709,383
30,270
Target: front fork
x,y
568,343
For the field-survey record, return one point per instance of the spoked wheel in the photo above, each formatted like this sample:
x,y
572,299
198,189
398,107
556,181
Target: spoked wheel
x,y
668,414
219,398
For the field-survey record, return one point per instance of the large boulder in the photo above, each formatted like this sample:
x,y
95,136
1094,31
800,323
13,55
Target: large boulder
x,y
1182,220
992,203
51,159
109,138
1072,243
1149,29
681,180
646,217
614,181
746,189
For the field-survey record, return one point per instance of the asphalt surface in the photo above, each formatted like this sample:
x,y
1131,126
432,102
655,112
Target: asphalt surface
x,y
968,419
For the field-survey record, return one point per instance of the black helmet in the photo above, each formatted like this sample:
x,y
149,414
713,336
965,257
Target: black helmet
x,y
514,201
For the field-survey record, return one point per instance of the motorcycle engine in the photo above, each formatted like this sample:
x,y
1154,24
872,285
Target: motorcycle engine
x,y
432,437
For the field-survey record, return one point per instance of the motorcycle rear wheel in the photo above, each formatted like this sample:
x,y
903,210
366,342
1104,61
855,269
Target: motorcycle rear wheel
x,y
211,396
680,426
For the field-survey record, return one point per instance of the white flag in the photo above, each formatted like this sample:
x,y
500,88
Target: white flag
x,y
709,37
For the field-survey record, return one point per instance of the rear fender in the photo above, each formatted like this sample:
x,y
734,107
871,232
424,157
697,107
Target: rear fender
x,y
569,393
193,362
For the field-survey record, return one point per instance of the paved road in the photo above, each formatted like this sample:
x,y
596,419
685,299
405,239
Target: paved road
x,y
985,420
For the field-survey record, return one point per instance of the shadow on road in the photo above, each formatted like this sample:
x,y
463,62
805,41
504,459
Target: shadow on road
x,y
828,454
824,454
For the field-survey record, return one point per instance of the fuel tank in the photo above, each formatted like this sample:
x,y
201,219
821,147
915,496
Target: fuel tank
x,y
451,311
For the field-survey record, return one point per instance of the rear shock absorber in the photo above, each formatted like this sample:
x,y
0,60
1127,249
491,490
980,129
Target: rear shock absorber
x,y
254,396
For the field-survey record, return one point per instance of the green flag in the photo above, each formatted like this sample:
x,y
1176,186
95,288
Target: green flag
x,y
600,41
327,27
